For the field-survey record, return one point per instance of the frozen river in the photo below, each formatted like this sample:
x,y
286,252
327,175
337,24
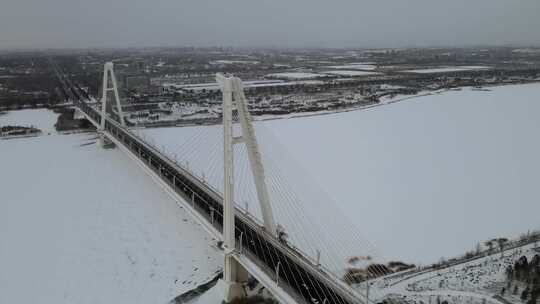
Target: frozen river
x,y
420,179
81,224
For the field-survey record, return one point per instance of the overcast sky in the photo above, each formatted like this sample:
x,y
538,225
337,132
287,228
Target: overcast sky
x,y
277,23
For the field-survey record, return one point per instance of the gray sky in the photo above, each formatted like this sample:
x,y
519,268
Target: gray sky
x,y
279,23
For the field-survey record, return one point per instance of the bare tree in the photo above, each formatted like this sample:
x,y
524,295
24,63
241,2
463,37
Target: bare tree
x,y
478,249
489,244
501,242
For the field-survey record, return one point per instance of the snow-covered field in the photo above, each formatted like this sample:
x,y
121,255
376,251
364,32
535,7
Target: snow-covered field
x,y
350,73
304,75
220,62
421,179
42,119
476,281
354,66
80,224
448,69
294,75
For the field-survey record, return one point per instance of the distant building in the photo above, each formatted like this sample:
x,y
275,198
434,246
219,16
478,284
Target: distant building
x,y
136,81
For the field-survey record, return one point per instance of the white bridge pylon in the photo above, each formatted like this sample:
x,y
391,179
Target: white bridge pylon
x,y
233,91
108,73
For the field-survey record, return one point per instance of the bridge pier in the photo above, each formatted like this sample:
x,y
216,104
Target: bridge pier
x,y
78,114
101,140
104,142
234,278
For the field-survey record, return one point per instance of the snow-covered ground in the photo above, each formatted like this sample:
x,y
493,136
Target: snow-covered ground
x,y
225,62
247,84
42,119
527,51
354,66
448,69
421,179
351,73
80,224
476,281
294,75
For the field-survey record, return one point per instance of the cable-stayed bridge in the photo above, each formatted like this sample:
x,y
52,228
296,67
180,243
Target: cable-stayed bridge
x,y
251,247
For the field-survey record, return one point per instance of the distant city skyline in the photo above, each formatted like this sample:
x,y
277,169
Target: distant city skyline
x,y
277,23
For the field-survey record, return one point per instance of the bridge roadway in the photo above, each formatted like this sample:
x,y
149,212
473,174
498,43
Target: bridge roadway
x,y
299,276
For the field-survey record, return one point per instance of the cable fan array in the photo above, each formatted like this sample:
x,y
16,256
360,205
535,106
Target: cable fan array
x,y
313,223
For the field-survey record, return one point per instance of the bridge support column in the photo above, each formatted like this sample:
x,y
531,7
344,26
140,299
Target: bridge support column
x,y
254,156
231,285
108,73
234,274
233,88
